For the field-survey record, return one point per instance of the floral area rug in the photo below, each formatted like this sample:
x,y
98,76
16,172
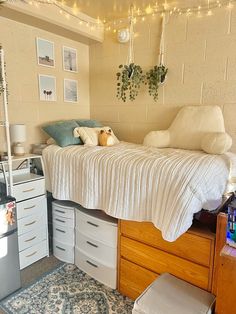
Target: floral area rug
x,y
67,290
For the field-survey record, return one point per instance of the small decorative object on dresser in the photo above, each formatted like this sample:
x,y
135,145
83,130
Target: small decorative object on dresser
x,y
18,136
63,213
96,245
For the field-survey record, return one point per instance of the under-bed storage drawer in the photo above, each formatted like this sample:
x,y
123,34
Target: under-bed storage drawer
x,y
160,262
190,245
134,279
63,251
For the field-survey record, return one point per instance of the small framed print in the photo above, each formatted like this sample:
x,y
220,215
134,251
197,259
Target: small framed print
x,y
47,88
70,59
45,53
70,90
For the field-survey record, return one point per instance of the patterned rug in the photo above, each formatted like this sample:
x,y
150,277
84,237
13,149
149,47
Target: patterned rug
x,y
67,290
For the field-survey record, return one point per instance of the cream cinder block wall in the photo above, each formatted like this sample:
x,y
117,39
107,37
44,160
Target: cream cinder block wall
x,y
19,43
200,55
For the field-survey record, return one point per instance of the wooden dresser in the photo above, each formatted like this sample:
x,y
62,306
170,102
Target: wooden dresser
x,y
143,255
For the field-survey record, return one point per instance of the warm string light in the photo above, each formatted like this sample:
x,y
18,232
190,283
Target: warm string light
x,y
166,8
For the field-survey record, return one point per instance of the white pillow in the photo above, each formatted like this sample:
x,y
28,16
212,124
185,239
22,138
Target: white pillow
x,y
216,143
90,135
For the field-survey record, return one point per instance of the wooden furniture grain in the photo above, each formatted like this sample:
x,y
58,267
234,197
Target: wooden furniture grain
x,y
143,255
225,302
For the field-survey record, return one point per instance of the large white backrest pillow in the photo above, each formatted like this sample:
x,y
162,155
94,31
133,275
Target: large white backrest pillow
x,y
192,123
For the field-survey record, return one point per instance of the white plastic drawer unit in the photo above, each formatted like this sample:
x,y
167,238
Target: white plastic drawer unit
x,y
63,234
63,222
31,238
31,222
63,251
96,249
27,190
61,209
104,231
97,270
31,206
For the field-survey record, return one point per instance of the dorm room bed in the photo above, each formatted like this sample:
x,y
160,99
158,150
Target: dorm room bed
x,y
164,187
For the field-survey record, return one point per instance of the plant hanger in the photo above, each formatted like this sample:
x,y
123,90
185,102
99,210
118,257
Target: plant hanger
x,y
157,74
131,75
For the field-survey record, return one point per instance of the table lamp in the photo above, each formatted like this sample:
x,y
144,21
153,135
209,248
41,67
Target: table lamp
x,y
18,136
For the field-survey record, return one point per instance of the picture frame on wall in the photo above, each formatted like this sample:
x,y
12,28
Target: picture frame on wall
x,y
69,59
70,90
47,88
45,52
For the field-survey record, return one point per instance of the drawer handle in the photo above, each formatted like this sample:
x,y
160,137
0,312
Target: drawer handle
x,y
30,223
29,190
60,248
25,208
60,220
31,254
60,230
30,239
92,244
92,224
92,264
59,211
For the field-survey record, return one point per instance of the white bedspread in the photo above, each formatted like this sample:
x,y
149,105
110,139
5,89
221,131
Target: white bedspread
x,y
134,182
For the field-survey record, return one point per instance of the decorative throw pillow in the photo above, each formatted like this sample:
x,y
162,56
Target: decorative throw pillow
x,y
89,123
90,135
216,143
62,132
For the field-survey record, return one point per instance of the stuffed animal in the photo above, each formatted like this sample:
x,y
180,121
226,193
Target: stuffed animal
x,y
10,217
105,138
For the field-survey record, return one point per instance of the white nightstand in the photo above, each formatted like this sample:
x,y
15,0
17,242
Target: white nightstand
x,y
30,194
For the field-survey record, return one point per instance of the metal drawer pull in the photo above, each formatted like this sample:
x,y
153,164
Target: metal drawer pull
x,y
31,254
59,211
60,248
92,264
92,244
30,239
60,230
60,220
25,208
29,190
30,223
92,224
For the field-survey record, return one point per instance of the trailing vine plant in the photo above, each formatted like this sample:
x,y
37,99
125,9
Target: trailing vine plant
x,y
130,77
154,78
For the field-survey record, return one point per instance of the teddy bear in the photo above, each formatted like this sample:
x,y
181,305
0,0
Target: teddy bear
x,y
105,138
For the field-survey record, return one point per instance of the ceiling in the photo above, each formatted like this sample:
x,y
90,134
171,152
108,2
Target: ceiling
x,y
115,9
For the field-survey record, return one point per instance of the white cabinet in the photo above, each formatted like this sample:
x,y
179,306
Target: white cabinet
x,y
63,230
96,245
30,194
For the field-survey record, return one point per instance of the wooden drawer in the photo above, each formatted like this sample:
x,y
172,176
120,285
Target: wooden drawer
x,y
98,250
190,245
59,209
64,234
31,238
101,230
160,262
32,206
32,222
33,254
28,190
134,279
63,222
97,270
63,251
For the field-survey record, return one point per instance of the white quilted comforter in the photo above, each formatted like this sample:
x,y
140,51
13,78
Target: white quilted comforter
x,y
135,182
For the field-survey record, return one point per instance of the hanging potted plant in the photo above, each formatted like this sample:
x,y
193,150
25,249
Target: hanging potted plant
x,y
157,74
130,77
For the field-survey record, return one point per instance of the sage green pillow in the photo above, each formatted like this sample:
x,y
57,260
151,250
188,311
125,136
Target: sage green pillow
x,y
89,123
62,132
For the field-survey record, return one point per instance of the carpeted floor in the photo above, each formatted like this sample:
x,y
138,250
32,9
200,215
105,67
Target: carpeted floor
x,y
65,289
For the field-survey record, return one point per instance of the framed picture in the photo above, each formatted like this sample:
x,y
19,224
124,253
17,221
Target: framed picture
x,y
70,59
45,53
47,88
70,90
